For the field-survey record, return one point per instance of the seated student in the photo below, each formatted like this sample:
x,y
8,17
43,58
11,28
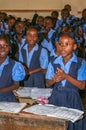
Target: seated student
x,y
48,25
67,74
11,72
35,59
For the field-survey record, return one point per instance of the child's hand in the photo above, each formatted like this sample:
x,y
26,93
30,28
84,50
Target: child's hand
x,y
59,75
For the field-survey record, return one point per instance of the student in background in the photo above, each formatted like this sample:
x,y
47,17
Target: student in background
x,y
64,18
54,15
67,76
48,32
40,27
68,7
83,18
11,72
55,52
19,38
35,59
10,25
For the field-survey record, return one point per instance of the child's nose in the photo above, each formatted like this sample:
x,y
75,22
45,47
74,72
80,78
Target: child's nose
x,y
2,47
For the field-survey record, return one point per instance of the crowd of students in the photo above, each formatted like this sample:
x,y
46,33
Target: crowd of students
x,y
47,52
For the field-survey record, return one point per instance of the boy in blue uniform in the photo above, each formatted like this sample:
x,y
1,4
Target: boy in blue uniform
x,y
11,72
67,74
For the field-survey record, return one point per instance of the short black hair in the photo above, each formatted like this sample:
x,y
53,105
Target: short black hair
x,y
5,38
71,35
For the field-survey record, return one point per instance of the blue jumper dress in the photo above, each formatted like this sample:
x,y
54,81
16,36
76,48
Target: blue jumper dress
x,y
6,80
35,79
68,95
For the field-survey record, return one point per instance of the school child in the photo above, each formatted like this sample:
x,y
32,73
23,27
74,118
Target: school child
x,y
55,52
68,74
19,38
10,25
3,24
83,18
48,32
63,19
54,15
79,37
40,27
11,72
68,7
35,59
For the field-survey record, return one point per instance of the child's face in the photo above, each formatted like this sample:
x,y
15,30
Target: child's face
x,y
32,36
40,21
4,48
65,14
84,14
66,46
48,24
11,23
19,28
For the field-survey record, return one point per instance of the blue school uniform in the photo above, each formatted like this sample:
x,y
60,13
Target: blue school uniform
x,y
64,93
36,58
52,56
48,45
18,54
10,71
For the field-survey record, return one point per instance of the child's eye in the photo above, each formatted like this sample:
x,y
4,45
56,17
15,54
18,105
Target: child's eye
x,y
60,44
5,46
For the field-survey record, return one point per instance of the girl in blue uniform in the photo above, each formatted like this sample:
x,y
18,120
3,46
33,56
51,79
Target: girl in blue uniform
x,y
35,59
11,72
68,74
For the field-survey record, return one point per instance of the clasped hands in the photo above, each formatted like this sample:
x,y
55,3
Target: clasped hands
x,y
59,75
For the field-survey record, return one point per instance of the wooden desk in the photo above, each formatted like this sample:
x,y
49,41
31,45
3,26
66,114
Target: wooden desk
x,y
24,121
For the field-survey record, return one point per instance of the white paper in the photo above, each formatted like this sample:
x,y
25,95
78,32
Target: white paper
x,y
11,107
24,91
37,92
54,111
34,93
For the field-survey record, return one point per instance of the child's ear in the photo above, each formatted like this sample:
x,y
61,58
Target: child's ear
x,y
75,46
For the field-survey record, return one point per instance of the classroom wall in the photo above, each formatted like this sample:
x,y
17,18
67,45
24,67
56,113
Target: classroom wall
x,y
32,5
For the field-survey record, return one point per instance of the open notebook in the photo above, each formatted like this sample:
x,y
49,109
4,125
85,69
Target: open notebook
x,y
54,111
11,107
34,93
